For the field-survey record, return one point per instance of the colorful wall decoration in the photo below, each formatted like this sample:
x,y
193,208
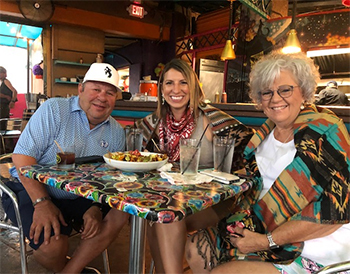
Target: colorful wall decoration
x,y
256,37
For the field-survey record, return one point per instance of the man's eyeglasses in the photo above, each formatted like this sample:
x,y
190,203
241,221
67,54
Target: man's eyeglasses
x,y
284,91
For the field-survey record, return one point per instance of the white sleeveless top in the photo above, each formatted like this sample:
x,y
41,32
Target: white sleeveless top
x,y
267,154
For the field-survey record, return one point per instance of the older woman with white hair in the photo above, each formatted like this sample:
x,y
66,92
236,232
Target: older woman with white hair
x,y
296,219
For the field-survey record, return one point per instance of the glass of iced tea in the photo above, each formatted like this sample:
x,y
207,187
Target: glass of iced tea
x,y
66,159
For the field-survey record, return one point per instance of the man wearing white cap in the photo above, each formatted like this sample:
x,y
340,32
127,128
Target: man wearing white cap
x,y
84,122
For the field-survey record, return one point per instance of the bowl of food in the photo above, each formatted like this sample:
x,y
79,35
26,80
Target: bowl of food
x,y
135,161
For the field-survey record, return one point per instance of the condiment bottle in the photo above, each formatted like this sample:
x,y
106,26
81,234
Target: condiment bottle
x,y
99,58
224,97
81,60
217,97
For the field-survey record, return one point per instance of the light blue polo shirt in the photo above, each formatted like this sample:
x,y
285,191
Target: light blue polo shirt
x,y
63,120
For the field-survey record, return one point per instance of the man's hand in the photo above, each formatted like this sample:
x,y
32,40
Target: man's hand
x,y
45,217
92,223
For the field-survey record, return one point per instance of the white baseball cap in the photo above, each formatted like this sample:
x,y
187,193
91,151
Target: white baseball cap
x,y
102,72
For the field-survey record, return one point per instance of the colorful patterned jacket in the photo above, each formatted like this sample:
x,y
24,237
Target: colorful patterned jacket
x,y
315,186
221,124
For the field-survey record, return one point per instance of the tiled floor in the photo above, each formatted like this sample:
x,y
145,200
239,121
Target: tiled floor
x,y
118,255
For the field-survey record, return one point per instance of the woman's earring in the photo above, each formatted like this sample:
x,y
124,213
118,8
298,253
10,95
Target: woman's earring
x,y
302,106
163,100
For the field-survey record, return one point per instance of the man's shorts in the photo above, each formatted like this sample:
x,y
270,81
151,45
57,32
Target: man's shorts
x,y
72,211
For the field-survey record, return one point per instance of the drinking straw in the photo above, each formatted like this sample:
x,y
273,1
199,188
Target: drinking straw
x,y
155,145
59,147
134,136
194,154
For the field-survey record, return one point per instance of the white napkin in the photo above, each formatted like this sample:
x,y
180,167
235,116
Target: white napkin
x,y
176,178
166,167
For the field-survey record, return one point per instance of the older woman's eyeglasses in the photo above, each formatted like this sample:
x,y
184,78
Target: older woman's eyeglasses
x,y
284,91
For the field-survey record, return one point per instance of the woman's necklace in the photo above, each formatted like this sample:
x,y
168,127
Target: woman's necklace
x,y
285,141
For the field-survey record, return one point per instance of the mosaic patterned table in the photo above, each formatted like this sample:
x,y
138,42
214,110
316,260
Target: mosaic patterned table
x,y
142,194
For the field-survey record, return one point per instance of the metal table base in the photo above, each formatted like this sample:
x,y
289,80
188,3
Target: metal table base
x,y
137,245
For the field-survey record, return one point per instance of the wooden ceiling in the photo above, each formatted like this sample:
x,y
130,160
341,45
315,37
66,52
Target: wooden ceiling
x,y
159,9
113,42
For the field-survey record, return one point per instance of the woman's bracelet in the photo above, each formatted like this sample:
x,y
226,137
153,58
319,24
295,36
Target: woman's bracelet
x,y
41,200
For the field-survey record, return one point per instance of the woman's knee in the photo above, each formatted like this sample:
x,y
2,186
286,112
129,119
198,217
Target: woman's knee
x,y
201,220
115,220
190,250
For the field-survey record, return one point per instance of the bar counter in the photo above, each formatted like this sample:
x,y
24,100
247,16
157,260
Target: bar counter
x,y
126,112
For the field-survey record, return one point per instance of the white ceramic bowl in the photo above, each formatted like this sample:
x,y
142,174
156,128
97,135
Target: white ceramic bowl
x,y
73,79
64,79
135,166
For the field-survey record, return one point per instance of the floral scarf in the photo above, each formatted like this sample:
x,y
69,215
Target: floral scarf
x,y
171,133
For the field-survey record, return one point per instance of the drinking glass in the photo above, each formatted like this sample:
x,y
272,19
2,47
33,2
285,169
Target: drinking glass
x,y
134,138
189,156
66,159
223,153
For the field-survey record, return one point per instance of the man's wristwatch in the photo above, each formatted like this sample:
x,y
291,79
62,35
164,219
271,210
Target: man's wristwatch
x,y
97,204
272,244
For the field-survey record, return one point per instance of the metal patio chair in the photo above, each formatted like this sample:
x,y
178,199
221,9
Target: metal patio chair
x,y
335,268
5,224
12,129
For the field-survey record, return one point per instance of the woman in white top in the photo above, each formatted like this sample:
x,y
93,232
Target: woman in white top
x,y
296,218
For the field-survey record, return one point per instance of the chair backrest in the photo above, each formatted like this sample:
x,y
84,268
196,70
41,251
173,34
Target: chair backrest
x,y
5,165
11,124
10,128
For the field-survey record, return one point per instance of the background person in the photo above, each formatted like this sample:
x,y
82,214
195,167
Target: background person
x,y
296,218
181,113
84,122
331,95
8,97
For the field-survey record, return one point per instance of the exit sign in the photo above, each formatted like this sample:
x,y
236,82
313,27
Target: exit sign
x,y
136,11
